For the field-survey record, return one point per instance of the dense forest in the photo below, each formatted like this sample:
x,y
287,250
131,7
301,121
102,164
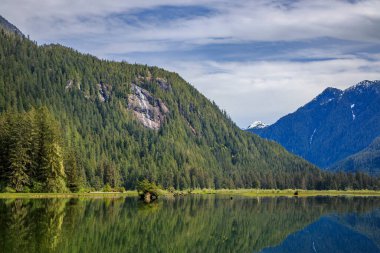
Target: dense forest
x,y
70,121
367,160
31,155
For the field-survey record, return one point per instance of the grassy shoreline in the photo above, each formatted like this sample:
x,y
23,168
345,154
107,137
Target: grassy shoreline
x,y
225,192
287,192
68,195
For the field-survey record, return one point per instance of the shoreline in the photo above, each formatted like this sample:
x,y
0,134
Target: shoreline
x,y
290,193
222,192
68,195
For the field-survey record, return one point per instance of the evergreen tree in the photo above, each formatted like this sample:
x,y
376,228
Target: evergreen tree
x,y
52,169
19,159
73,171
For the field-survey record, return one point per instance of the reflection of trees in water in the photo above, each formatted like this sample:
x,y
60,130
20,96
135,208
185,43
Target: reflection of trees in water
x,y
189,224
31,225
15,220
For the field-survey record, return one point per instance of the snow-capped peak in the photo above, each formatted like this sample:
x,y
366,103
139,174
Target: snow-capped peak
x,y
362,85
257,124
365,83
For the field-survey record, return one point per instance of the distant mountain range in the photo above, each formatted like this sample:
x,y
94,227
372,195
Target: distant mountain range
x,y
334,130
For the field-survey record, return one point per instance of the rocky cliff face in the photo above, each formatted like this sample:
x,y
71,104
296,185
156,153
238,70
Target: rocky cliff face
x,y
150,111
104,91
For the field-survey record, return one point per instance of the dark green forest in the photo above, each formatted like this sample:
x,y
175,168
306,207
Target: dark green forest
x,y
67,124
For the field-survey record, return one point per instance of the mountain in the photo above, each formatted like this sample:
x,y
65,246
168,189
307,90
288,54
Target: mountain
x,y
367,160
331,127
123,122
8,27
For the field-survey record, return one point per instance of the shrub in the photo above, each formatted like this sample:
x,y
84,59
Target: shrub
x,y
107,188
171,189
145,186
120,189
9,190
38,187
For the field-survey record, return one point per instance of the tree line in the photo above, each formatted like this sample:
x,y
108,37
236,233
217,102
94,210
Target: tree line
x,y
66,138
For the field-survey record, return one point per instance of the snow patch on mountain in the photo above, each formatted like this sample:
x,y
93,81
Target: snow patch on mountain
x,y
352,111
363,85
328,101
311,137
257,125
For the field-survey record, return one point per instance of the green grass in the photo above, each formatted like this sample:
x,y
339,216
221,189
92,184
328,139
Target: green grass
x,y
232,192
69,195
287,192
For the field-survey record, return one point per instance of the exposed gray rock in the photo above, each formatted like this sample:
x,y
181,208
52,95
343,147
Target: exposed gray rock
x,y
149,110
163,84
104,91
70,84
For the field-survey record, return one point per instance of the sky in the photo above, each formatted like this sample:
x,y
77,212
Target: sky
x,y
257,59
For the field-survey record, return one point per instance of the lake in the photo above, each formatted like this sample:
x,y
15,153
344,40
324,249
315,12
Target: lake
x,y
200,223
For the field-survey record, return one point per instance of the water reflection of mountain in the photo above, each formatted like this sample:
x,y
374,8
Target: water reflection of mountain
x,y
191,224
367,224
325,235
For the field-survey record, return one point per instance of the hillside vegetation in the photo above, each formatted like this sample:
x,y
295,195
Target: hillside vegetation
x,y
115,123
367,160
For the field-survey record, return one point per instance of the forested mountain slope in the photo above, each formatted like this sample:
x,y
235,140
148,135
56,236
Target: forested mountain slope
x,y
120,122
367,160
334,125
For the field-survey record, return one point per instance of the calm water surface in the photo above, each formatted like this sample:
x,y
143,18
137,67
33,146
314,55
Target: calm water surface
x,y
191,224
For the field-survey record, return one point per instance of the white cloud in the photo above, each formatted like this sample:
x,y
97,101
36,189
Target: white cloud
x,y
241,21
248,91
269,90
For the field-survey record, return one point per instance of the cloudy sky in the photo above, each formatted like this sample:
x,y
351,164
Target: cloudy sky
x,y
258,59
